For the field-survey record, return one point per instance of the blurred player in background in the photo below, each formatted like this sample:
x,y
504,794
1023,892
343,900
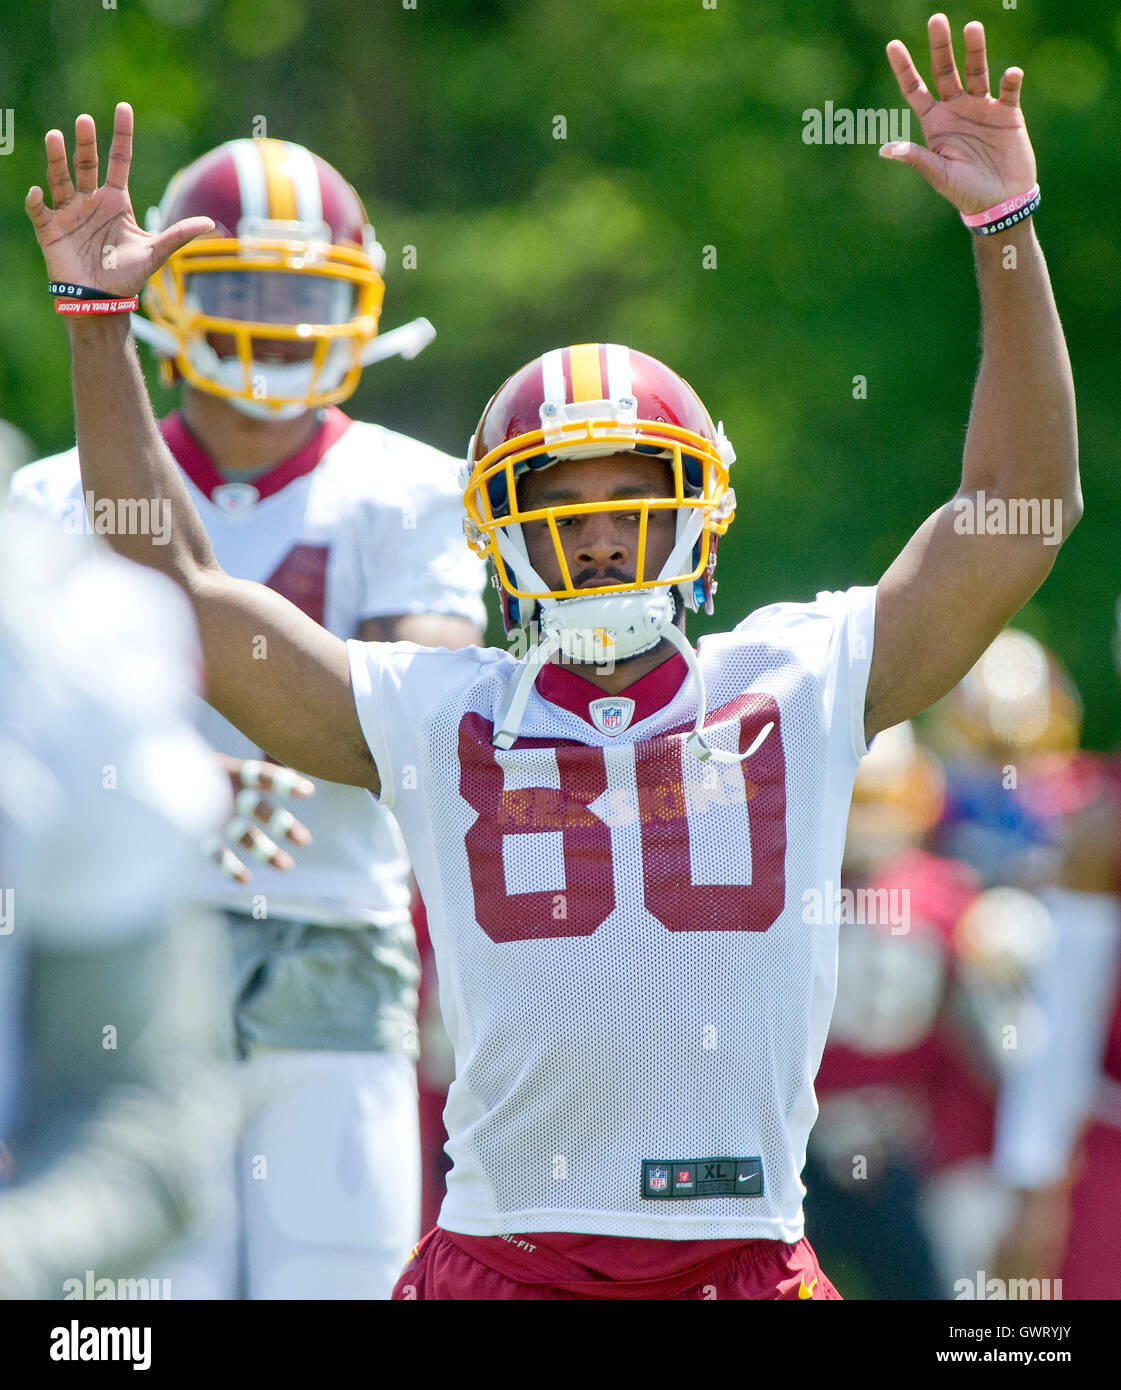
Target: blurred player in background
x,y
1031,813
992,731
617,847
890,1061
934,1008
361,529
1059,1119
111,1017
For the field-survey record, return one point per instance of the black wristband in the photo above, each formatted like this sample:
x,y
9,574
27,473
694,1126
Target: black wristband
x,y
62,289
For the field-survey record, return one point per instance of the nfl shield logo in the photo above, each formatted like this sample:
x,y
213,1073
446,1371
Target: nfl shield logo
x,y
611,715
659,1179
235,499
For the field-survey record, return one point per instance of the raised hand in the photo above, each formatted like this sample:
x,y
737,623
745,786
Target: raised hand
x,y
977,150
91,236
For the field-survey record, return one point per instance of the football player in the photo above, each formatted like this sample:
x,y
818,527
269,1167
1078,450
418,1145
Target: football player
x,y
895,1098
267,322
1059,1119
617,846
111,1084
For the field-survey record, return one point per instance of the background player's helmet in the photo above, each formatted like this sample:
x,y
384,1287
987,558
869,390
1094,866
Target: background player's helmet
x,y
897,799
1017,700
293,259
583,402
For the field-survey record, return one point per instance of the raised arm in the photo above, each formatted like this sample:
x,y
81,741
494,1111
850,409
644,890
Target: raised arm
x,y
272,671
979,558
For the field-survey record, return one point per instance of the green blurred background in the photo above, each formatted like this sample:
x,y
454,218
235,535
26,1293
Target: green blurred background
x,y
684,132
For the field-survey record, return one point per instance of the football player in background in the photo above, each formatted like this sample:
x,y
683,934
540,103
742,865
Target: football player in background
x,y
617,879
936,1004
111,1019
1059,1118
360,528
900,1094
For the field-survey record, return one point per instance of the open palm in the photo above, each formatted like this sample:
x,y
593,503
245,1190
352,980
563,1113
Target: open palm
x,y
91,237
977,149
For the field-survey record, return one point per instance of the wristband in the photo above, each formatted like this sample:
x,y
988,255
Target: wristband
x,y
63,289
96,306
1003,215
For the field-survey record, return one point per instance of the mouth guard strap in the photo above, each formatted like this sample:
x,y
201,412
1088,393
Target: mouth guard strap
x,y
508,720
696,743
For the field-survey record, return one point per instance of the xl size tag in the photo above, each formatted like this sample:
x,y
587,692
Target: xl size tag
x,y
701,1177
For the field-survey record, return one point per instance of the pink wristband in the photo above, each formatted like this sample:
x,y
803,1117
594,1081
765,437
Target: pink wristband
x,y
994,214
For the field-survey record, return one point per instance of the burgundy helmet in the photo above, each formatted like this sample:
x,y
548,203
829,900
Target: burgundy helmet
x,y
586,401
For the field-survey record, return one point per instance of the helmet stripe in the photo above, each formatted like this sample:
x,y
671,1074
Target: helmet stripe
x,y
552,377
587,382
305,179
619,380
251,185
278,180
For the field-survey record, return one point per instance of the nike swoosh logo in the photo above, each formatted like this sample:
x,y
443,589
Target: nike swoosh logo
x,y
746,1177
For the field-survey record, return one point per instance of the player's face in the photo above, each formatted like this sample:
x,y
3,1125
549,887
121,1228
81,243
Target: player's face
x,y
270,297
602,547
268,351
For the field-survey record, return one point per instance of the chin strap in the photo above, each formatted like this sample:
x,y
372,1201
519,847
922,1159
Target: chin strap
x,y
696,742
508,720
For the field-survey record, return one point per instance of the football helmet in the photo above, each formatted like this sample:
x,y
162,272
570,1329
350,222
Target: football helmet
x,y
579,402
292,260
1016,700
897,799
587,401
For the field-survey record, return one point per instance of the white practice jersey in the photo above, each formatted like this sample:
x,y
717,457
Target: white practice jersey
x,y
635,970
361,523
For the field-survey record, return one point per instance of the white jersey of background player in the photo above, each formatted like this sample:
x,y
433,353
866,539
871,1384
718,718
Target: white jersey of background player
x,y
361,528
105,792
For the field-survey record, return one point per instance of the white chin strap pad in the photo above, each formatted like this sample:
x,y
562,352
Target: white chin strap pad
x,y
278,378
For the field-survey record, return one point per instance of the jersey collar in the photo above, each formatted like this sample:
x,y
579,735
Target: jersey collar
x,y
562,686
196,463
